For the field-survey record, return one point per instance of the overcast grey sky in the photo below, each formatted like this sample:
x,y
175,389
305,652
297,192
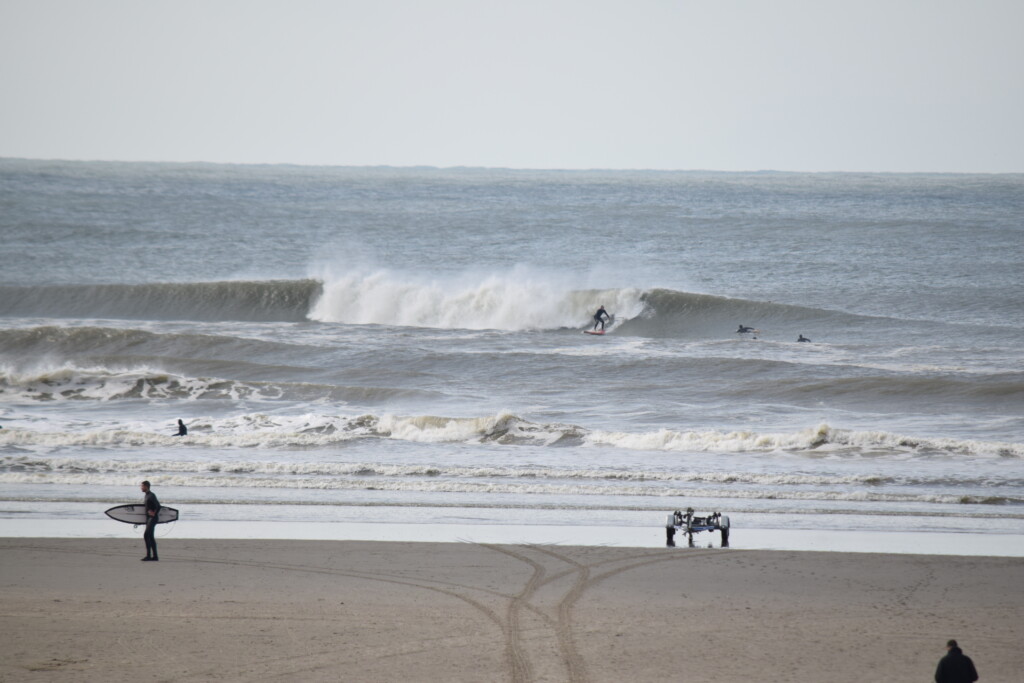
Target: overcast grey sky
x,y
816,85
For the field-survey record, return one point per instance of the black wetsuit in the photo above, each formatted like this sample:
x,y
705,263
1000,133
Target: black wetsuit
x,y
152,503
598,319
182,429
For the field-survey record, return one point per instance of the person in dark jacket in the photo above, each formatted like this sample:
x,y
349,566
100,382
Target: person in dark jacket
x,y
955,667
152,512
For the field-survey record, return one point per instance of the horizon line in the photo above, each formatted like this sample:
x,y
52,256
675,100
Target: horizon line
x,y
466,167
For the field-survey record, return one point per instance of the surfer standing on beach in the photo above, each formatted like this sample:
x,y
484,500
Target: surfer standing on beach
x,y
152,504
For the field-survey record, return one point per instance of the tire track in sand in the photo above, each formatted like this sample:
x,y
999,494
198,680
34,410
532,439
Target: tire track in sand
x,y
517,663
574,663
522,670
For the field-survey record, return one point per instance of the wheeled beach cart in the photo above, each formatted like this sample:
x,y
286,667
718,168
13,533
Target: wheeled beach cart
x,y
689,524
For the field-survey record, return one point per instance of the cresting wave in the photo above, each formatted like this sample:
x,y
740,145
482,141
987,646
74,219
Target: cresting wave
x,y
312,431
255,301
671,313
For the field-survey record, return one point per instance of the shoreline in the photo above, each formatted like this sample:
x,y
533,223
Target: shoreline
x,y
797,540
88,610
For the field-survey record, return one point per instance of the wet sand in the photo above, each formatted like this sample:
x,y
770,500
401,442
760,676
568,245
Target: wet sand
x,y
246,610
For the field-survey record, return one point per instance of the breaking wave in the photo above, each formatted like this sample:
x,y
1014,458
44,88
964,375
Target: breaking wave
x,y
514,300
42,466
312,430
524,300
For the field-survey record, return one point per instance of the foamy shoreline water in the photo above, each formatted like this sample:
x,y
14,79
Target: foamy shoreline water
x,y
893,542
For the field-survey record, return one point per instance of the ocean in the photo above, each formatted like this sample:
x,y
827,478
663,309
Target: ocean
x,y
403,347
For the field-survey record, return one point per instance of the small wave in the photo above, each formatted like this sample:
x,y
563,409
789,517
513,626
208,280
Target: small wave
x,y
61,465
1000,387
434,485
255,301
71,383
49,341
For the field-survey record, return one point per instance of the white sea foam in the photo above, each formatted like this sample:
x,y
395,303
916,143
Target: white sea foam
x,y
315,430
821,438
519,299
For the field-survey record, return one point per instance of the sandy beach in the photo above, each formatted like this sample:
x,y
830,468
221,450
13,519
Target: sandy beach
x,y
244,610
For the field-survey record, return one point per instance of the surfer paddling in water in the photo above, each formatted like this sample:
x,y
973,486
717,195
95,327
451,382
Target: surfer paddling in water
x,y
600,317
152,510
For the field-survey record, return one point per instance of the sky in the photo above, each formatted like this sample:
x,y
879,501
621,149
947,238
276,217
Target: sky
x,y
792,85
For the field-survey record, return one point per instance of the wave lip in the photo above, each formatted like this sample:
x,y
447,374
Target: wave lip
x,y
250,301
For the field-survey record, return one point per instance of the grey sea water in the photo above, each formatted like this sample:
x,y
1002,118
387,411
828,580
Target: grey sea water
x,y
378,344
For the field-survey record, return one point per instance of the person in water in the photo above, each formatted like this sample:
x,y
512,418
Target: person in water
x,y
152,511
744,329
182,429
600,317
803,339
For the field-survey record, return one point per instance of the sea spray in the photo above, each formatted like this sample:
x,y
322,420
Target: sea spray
x,y
512,300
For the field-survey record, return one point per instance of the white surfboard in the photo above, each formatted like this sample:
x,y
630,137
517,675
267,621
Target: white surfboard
x,y
136,514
